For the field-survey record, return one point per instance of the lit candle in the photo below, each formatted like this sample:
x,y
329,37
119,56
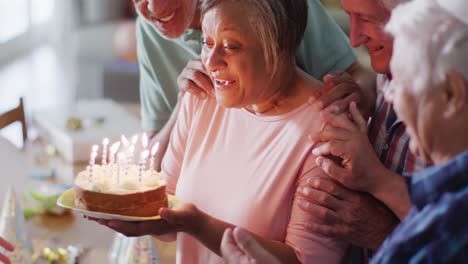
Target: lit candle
x,y
92,161
131,154
142,164
95,148
94,151
131,149
134,139
105,142
144,141
113,151
154,150
93,158
125,141
120,160
90,172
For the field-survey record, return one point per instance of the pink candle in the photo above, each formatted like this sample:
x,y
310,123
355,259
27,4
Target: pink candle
x,y
92,161
120,160
95,148
105,142
131,154
142,164
113,151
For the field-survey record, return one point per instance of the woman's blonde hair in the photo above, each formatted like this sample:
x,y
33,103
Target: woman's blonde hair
x,y
280,25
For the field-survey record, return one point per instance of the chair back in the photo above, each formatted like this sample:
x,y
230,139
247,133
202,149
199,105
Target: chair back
x,y
15,115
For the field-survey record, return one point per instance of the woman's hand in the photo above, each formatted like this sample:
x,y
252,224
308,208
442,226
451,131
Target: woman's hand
x,y
239,247
185,219
6,245
195,80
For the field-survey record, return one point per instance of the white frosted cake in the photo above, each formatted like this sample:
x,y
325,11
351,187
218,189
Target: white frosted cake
x,y
122,190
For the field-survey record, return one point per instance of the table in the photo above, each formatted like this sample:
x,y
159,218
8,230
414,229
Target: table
x,y
72,229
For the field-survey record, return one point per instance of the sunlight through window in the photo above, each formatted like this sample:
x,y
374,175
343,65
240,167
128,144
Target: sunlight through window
x,y
14,19
17,17
41,11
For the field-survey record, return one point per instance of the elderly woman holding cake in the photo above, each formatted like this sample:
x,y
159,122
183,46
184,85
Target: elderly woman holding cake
x,y
429,91
237,159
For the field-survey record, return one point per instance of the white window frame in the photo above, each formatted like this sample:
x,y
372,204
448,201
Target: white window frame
x,y
21,44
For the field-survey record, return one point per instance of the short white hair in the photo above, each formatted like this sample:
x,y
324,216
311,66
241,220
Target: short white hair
x,y
436,41
391,4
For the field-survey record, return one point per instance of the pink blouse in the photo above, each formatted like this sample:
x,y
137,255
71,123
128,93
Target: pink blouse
x,y
244,169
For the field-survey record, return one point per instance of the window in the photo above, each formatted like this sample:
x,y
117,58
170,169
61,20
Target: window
x,y
14,19
18,17
41,11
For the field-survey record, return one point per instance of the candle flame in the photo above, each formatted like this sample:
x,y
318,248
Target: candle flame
x,y
105,141
121,156
95,148
131,149
134,139
93,155
144,155
125,141
144,140
155,149
114,148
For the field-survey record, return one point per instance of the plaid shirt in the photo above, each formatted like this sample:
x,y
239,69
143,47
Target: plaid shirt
x,y
436,229
391,143
387,135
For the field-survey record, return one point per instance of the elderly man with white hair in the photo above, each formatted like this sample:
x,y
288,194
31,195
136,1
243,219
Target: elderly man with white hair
x,y
373,154
430,93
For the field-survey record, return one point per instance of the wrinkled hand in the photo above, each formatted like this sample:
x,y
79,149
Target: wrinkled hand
x,y
340,90
6,245
195,80
347,139
185,219
239,247
338,212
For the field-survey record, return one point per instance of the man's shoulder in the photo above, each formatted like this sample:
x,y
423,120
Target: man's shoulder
x,y
147,34
324,46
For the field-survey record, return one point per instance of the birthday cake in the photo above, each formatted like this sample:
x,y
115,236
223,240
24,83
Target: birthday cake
x,y
122,190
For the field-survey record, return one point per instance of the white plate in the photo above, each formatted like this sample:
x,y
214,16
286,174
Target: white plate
x,y
67,200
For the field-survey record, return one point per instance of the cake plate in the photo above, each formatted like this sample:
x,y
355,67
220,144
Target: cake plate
x,y
67,200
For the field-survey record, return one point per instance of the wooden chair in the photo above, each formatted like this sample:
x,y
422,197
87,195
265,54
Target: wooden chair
x,y
15,115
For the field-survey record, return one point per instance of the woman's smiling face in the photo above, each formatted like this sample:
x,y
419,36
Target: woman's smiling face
x,y
233,55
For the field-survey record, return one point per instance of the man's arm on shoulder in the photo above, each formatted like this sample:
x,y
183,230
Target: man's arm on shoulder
x,y
366,80
325,48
